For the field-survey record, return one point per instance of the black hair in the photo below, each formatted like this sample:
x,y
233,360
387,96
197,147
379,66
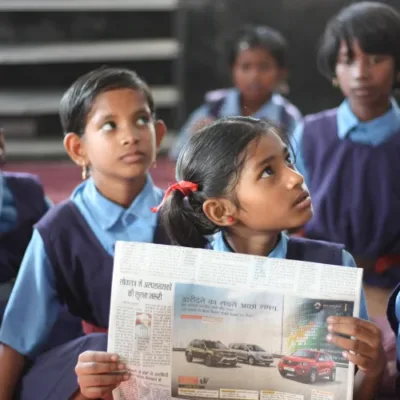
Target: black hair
x,y
79,98
376,26
263,37
213,159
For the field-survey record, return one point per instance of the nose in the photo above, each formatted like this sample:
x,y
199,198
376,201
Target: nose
x,y
129,136
294,178
361,70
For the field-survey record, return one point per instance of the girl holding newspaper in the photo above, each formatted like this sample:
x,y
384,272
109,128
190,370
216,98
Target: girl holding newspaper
x,y
238,183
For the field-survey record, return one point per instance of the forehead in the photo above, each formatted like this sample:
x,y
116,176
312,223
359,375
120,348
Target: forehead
x,y
253,54
119,101
353,46
269,144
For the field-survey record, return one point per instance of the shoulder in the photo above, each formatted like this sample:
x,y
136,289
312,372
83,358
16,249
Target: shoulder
x,y
23,179
58,217
318,251
292,111
217,95
320,116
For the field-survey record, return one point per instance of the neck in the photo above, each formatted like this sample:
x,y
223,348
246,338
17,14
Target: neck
x,y
254,244
121,192
250,107
369,113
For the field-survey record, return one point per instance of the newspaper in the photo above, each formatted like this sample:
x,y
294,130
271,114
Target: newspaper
x,y
200,324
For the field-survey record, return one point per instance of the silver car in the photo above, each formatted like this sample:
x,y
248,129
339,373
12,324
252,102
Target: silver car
x,y
251,353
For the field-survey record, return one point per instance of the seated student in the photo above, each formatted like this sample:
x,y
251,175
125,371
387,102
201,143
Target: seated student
x,y
108,117
248,194
259,65
349,155
22,204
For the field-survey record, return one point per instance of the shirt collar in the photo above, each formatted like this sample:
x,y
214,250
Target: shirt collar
x,y
279,251
109,213
270,109
347,121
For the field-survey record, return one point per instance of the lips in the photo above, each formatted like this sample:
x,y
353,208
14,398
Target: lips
x,y
303,196
132,157
362,91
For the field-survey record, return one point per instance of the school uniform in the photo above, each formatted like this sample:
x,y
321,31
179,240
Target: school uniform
x,y
226,103
352,170
69,261
293,248
22,204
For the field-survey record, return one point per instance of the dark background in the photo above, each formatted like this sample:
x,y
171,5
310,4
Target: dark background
x,y
201,27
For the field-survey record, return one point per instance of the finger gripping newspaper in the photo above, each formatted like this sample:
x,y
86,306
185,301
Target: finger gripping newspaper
x,y
199,324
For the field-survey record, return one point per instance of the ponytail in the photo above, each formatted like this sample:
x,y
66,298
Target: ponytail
x,y
184,221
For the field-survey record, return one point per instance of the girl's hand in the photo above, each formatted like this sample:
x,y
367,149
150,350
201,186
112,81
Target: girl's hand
x,y
364,349
99,373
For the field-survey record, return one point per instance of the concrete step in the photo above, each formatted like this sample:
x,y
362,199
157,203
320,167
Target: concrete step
x,y
80,5
116,50
53,148
39,102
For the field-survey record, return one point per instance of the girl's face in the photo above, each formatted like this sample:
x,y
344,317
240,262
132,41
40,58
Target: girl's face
x,y
365,79
256,74
272,194
121,137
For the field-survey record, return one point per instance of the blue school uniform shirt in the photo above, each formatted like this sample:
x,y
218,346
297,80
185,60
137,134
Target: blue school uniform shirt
x,y
372,133
271,110
33,306
8,210
280,251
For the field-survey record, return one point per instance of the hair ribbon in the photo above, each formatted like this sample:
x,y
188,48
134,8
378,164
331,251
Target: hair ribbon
x,y
184,187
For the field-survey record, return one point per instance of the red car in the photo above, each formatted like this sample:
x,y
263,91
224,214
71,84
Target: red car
x,y
308,364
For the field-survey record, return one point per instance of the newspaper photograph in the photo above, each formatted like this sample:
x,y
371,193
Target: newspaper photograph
x,y
198,324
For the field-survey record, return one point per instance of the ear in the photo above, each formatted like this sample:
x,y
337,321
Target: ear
x,y
161,130
221,212
75,147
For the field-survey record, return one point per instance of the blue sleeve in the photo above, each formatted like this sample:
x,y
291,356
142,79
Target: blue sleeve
x,y
297,142
33,307
348,261
186,131
48,202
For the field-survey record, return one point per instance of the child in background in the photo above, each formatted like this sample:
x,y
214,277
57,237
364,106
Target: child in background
x,y
349,156
259,68
248,194
22,204
108,117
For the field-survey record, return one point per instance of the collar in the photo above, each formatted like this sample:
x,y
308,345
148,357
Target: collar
x,y
347,121
279,251
270,109
109,213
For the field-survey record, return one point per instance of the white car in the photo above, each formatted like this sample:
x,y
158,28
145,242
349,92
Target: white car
x,y
251,353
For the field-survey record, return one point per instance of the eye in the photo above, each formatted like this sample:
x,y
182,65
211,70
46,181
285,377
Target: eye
x,y
109,126
143,120
375,59
267,173
289,159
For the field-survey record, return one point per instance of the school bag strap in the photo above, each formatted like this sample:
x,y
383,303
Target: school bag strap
x,y
215,100
317,251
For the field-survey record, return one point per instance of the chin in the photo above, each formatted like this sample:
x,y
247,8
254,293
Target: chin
x,y
303,219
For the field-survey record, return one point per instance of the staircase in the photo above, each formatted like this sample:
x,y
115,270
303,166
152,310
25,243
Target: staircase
x,y
46,44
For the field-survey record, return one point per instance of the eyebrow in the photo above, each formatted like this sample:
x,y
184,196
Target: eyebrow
x,y
135,113
271,158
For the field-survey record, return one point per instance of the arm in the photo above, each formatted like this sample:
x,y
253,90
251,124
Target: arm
x,y
195,118
29,317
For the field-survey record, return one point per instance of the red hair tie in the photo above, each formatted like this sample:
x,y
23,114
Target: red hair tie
x,y
183,186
